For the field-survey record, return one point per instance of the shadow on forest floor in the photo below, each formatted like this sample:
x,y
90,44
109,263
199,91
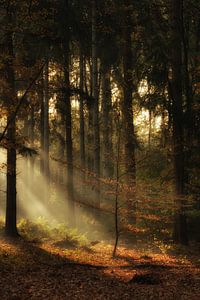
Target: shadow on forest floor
x,y
43,271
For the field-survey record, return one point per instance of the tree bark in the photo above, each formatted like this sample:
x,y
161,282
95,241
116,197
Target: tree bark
x,y
189,125
41,100
107,146
11,194
150,129
68,117
180,222
68,139
127,111
32,139
95,95
127,108
46,120
81,112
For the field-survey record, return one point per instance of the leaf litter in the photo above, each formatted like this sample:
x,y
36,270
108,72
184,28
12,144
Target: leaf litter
x,y
53,271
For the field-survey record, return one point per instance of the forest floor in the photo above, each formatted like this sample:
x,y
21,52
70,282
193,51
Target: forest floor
x,y
49,270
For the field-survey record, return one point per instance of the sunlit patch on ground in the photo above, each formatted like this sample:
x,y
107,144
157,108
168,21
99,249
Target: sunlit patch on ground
x,y
40,270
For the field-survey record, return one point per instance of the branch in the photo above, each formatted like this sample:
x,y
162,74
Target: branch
x,y
21,101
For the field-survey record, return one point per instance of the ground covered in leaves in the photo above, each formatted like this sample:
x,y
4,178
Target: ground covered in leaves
x,y
49,270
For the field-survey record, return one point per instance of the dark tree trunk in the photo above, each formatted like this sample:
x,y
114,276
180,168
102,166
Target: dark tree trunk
x,y
116,214
127,108
127,111
32,126
90,134
81,112
11,207
32,138
189,125
68,117
46,120
180,223
95,95
150,129
11,203
26,135
107,151
90,156
164,131
68,138
41,100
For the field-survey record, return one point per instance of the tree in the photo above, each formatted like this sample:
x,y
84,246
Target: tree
x,y
95,92
127,105
10,98
68,117
180,230
106,126
81,110
45,112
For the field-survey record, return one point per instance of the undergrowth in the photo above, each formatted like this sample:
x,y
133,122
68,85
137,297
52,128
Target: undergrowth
x,y
42,230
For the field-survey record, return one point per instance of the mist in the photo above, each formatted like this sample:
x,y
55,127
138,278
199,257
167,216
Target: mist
x,y
47,199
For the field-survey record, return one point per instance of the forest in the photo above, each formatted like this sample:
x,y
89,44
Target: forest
x,y
99,149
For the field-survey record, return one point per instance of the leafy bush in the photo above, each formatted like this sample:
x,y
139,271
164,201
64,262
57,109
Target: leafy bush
x,y
34,230
41,230
2,222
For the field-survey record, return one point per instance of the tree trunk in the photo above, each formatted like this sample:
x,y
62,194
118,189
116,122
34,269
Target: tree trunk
x,y
90,103
189,125
164,131
180,223
68,134
41,100
11,207
150,129
127,111
46,120
90,156
32,138
127,108
81,112
11,203
107,150
95,96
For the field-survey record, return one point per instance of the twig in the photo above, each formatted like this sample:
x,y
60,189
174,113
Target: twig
x,y
116,193
22,99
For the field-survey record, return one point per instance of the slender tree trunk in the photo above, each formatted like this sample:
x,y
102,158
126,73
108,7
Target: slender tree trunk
x,y
11,207
180,223
26,135
95,95
68,135
32,126
116,215
189,125
127,111
107,146
90,134
32,138
46,120
81,112
11,194
127,108
150,129
163,136
90,156
41,100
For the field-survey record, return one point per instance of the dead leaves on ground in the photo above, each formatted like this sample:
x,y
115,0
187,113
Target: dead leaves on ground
x,y
47,271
